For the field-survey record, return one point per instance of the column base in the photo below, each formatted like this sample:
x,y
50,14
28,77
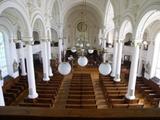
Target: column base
x,y
117,79
24,74
33,96
2,104
130,97
51,75
113,75
46,79
50,72
139,75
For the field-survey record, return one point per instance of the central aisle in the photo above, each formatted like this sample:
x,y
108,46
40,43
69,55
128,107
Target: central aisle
x,y
81,90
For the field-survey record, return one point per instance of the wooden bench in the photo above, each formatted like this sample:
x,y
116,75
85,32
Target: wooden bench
x,y
35,104
44,95
81,92
75,106
39,100
116,88
119,105
117,101
127,105
47,91
81,101
135,105
81,97
79,89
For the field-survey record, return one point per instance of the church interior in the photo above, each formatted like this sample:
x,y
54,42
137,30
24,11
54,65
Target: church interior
x,y
79,59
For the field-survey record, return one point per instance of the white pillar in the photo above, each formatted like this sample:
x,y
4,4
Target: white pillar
x,y
140,63
23,67
2,103
113,74
119,59
133,74
30,70
60,50
104,43
49,58
45,61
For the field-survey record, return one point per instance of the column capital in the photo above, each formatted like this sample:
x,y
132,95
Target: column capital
x,y
44,40
136,43
120,41
28,42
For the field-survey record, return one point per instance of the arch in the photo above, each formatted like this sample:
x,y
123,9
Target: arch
x,y
125,28
8,26
51,6
38,24
147,17
7,29
56,12
20,11
89,4
108,22
109,15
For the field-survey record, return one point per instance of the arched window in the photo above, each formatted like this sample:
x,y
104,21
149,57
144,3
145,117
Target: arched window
x,y
3,63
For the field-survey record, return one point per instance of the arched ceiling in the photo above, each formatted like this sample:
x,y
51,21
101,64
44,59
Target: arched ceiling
x,y
76,13
97,7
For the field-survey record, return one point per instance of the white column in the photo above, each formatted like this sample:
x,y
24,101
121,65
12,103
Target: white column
x,y
49,58
104,43
2,103
113,74
30,70
119,59
45,60
133,74
140,63
23,67
60,50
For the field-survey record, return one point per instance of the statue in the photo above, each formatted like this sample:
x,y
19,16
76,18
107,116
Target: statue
x,y
147,68
15,66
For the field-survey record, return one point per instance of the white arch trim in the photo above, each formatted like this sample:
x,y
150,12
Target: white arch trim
x,y
7,24
126,27
146,20
10,4
37,16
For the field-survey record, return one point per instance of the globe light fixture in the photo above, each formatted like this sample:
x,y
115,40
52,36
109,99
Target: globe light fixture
x,y
64,68
82,61
87,44
74,49
105,68
77,44
81,45
90,51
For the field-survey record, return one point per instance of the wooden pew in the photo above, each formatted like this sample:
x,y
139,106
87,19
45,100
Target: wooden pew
x,y
81,101
47,91
35,104
119,105
81,97
44,95
135,105
39,100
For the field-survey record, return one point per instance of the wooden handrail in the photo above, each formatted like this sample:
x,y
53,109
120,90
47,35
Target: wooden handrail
x,y
18,113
